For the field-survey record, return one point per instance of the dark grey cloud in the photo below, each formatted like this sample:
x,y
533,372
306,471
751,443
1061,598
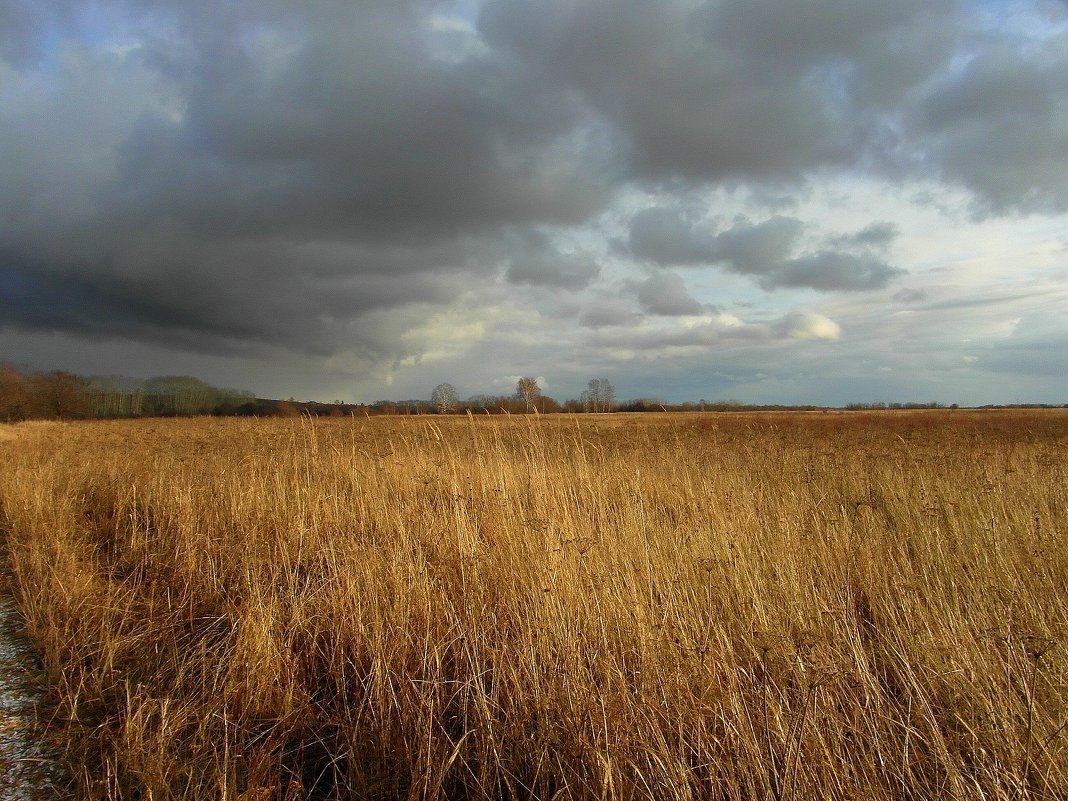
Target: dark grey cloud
x,y
665,293
606,314
734,89
757,248
317,176
877,235
665,236
269,173
756,90
37,297
830,270
679,97
999,126
242,297
537,262
765,251
361,131
574,271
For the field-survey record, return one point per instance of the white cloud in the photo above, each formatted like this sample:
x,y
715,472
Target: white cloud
x,y
807,325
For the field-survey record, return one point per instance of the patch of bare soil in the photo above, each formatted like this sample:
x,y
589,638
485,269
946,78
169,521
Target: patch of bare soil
x,y
28,770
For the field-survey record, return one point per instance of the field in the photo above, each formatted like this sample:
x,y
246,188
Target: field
x,y
705,606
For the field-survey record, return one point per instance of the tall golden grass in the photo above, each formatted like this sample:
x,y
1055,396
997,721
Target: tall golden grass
x,y
743,606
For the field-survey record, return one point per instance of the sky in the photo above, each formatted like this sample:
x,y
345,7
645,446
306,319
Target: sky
x,y
770,201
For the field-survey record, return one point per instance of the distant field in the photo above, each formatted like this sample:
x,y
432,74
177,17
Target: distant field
x,y
690,606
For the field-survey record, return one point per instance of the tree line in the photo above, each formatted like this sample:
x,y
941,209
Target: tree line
x,y
599,396
60,395
26,395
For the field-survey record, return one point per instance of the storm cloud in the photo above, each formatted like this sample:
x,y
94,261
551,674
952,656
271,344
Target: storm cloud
x,y
328,179
535,261
666,293
764,251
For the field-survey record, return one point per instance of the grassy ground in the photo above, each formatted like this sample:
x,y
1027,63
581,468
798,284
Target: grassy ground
x,y
740,606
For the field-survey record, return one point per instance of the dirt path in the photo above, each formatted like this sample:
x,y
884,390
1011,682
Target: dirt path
x,y
27,771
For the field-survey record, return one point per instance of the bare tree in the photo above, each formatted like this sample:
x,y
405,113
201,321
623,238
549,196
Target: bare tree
x,y
14,397
60,395
444,398
528,391
608,395
599,395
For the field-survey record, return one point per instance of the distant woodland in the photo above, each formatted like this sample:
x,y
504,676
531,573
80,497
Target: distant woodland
x,y
59,395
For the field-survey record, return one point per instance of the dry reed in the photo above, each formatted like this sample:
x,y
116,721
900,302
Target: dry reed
x,y
746,606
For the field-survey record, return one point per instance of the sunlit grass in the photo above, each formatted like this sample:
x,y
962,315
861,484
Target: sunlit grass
x,y
732,606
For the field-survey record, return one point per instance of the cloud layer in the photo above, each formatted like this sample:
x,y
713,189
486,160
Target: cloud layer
x,y
325,180
765,251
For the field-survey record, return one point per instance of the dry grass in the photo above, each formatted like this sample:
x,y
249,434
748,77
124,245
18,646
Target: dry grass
x,y
673,607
